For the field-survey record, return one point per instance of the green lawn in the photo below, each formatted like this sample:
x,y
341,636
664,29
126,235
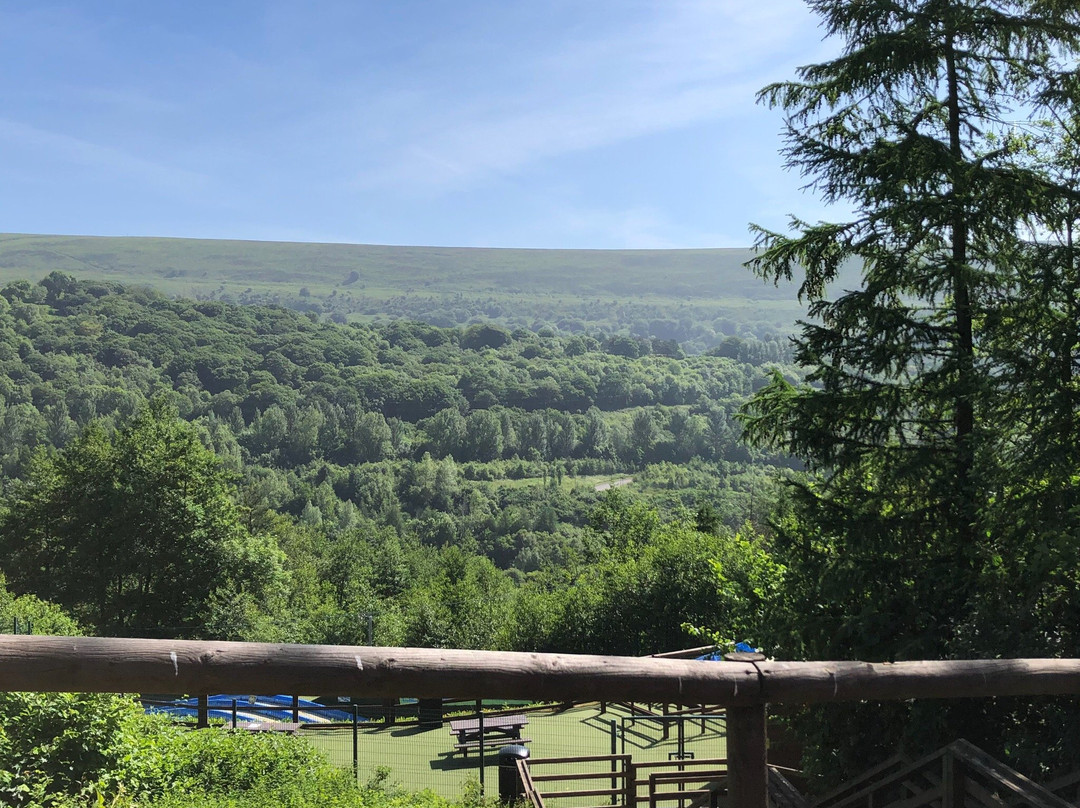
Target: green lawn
x,y
424,759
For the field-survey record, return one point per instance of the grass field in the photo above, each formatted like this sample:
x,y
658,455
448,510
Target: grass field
x,y
421,758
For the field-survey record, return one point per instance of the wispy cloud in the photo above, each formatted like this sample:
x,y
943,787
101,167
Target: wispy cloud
x,y
108,162
681,63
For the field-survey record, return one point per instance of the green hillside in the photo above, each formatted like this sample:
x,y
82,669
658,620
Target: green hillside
x,y
694,296
196,265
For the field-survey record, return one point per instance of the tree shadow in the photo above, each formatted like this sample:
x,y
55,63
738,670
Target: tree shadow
x,y
453,761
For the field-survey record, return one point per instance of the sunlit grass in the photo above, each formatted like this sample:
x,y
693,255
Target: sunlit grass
x,y
422,758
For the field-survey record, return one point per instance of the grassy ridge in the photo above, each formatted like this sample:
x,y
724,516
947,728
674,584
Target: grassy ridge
x,y
708,293
186,265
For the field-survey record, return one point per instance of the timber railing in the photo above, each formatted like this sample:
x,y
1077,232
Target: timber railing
x,y
782,794
529,791
686,783
1067,787
743,686
603,787
961,774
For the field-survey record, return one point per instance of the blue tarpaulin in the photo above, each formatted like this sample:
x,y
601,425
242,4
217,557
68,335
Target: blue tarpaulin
x,y
718,656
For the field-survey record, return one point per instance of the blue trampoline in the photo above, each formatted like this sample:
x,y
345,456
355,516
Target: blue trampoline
x,y
255,708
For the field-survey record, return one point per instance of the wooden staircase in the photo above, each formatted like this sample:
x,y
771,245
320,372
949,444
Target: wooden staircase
x,y
958,776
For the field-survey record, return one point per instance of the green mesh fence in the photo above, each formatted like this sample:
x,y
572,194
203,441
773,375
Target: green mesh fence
x,y
443,754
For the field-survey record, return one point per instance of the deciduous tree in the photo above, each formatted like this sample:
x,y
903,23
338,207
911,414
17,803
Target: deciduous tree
x,y
133,531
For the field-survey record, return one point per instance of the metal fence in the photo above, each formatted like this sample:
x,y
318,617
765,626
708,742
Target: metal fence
x,y
445,745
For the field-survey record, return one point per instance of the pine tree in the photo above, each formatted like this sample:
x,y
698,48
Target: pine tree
x,y
891,540
1037,502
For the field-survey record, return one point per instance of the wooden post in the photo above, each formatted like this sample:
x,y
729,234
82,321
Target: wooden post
x,y
480,727
952,777
748,776
614,760
296,709
355,744
204,713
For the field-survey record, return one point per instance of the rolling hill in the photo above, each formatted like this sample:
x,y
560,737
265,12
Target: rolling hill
x,y
670,294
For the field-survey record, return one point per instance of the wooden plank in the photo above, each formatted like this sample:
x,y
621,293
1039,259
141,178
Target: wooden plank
x,y
928,797
527,785
671,796
783,792
671,764
857,785
685,777
953,789
465,746
548,778
1066,786
581,792
511,721
625,759
903,778
982,796
203,720
1004,778
686,653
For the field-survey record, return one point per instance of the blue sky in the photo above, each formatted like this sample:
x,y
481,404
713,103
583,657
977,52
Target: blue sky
x,y
551,123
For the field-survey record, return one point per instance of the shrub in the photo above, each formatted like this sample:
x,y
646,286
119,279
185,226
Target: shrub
x,y
85,745
64,750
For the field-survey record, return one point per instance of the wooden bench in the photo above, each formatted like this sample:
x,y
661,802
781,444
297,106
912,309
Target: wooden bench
x,y
287,727
498,730
465,746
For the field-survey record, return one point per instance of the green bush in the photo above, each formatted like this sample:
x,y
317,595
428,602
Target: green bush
x,y
81,746
44,617
64,750
223,762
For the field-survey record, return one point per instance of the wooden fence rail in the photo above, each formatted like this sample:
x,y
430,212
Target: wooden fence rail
x,y
744,686
96,664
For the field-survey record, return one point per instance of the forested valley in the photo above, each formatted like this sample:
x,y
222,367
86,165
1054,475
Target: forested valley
x,y
898,481
200,469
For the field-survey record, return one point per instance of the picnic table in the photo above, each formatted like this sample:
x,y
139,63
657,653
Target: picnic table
x,y
288,727
498,730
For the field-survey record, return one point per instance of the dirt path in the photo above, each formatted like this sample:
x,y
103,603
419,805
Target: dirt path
x,y
614,484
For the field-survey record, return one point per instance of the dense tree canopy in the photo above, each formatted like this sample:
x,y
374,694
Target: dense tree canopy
x,y
437,479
